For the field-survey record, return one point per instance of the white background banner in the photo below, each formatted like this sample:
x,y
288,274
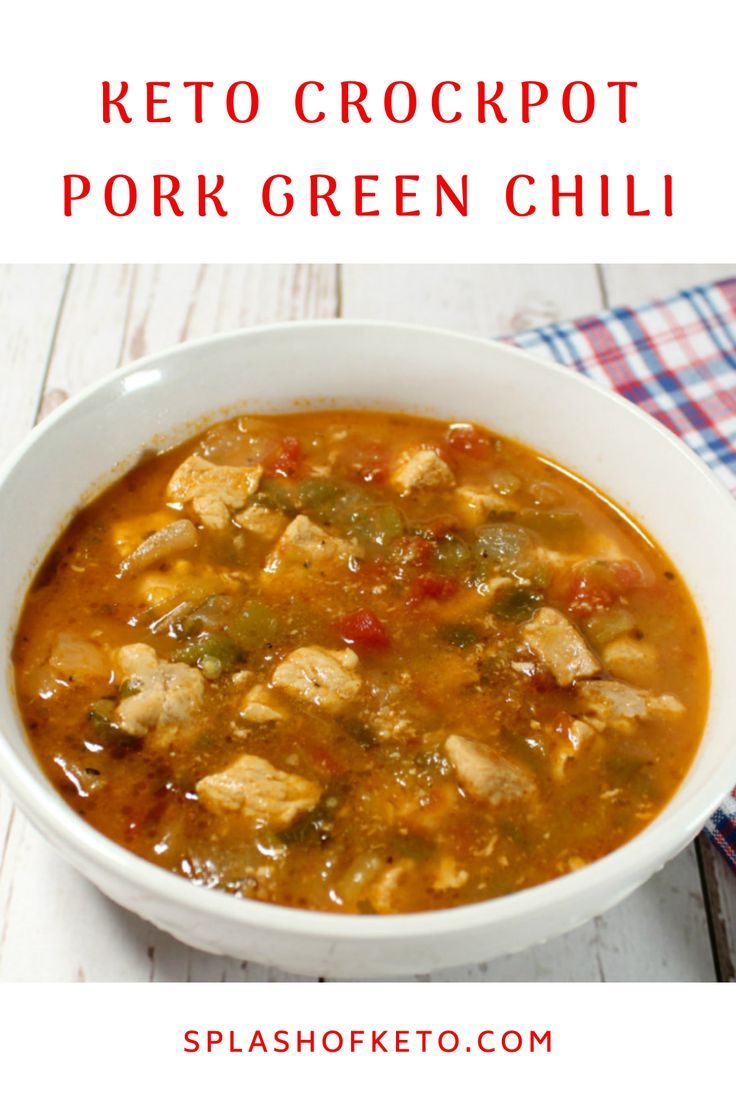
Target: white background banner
x,y
609,1044
557,64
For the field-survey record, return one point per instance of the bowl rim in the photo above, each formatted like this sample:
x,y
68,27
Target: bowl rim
x,y
624,868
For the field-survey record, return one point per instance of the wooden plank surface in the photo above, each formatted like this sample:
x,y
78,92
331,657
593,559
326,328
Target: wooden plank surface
x,y
483,300
31,301
66,329
627,285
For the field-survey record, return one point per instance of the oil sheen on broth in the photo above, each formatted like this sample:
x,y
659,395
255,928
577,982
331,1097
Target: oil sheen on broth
x,y
360,662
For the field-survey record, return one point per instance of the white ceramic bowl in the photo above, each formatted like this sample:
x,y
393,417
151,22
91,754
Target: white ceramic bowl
x,y
624,452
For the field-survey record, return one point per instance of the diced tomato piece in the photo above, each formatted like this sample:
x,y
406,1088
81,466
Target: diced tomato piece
x,y
413,551
286,459
627,574
363,629
586,597
599,584
471,440
438,587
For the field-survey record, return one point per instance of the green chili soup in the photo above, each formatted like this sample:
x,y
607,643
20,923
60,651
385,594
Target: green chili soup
x,y
360,662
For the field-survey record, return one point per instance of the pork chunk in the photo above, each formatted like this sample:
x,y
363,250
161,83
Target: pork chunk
x,y
328,679
633,660
261,794
215,491
474,505
486,775
163,697
260,706
389,884
420,469
307,544
559,645
448,875
75,659
261,521
579,736
606,703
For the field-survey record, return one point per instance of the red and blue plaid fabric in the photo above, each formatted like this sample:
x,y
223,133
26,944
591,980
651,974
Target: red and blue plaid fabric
x,y
676,358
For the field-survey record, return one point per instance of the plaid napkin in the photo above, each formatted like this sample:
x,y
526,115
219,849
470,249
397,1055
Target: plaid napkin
x,y
676,358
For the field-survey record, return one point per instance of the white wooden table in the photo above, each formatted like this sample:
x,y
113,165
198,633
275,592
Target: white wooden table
x,y
62,327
